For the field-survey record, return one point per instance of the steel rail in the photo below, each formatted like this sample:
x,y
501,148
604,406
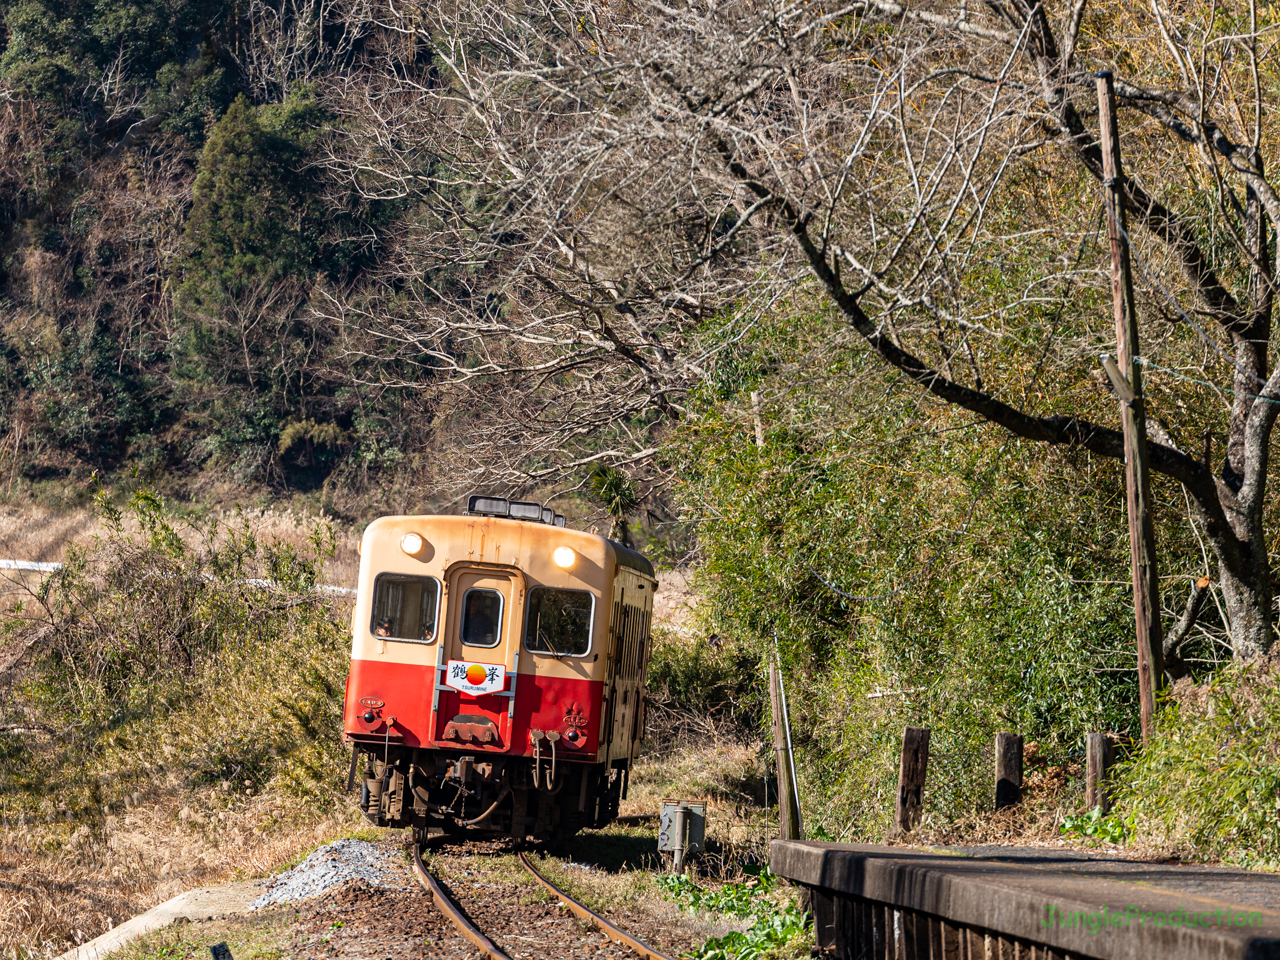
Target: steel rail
x,y
586,913
451,910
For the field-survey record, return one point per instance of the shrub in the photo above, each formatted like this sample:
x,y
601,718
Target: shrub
x,y
698,686
1208,783
244,229
776,926
178,657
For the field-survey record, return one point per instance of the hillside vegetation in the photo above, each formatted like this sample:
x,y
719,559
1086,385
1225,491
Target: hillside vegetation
x,y
164,236
808,300
174,717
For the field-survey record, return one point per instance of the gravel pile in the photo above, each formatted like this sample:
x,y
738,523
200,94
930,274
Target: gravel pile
x,y
331,865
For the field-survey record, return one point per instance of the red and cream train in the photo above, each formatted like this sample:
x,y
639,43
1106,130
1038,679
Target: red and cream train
x,y
497,676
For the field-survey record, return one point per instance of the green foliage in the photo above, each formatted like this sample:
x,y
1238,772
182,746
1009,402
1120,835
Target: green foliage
x,y
189,95
84,40
690,684
104,232
177,658
616,492
776,929
311,433
784,933
1095,826
92,69
93,403
910,567
1207,783
248,226
256,238
742,899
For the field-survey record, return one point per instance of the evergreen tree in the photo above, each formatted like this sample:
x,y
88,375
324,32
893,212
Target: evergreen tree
x,y
247,222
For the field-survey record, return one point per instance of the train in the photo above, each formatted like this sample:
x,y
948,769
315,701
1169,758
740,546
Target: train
x,y
497,679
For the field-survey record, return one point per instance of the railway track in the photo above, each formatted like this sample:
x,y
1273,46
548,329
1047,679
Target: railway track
x,y
488,948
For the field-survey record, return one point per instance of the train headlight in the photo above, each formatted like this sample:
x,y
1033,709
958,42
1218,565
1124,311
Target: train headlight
x,y
411,544
564,557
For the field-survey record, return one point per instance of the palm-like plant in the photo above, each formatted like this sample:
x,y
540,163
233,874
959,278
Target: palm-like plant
x,y
616,492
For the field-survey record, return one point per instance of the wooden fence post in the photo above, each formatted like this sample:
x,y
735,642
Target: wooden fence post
x,y
1008,770
1098,757
911,775
788,802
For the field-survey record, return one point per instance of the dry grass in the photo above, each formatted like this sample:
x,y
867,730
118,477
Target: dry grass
x,y
64,884
1021,825
256,936
151,818
48,902
288,526
728,775
33,534
1258,677
674,602
629,895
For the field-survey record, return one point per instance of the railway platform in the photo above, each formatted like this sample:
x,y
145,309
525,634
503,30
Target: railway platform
x,y
1028,903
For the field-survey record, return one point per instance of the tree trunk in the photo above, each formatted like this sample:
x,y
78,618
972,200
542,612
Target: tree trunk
x,y
1248,607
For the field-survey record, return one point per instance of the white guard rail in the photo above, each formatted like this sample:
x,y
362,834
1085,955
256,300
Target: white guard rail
x,y
50,567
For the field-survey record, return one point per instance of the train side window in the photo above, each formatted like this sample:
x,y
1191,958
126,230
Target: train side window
x,y
481,617
559,621
404,608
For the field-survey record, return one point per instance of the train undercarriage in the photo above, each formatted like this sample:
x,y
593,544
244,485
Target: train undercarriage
x,y
485,794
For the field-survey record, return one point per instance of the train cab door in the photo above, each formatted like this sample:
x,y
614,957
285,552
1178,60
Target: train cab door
x,y
478,660
629,629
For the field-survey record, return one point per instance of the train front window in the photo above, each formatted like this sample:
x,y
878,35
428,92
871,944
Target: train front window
x,y
559,622
404,608
481,617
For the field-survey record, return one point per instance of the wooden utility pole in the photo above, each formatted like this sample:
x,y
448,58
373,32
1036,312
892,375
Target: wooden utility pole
x,y
788,803
1142,537
911,776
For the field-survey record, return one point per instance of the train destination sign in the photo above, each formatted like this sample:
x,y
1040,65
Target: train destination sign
x,y
468,676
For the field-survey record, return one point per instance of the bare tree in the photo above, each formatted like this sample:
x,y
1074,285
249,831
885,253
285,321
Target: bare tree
x,y
597,187
557,273
295,42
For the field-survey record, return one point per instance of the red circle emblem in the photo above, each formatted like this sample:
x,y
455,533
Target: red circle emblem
x,y
476,674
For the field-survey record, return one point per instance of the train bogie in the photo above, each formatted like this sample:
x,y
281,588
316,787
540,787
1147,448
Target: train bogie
x,y
497,672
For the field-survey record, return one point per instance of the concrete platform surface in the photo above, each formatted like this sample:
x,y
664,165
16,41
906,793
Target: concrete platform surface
x,y
206,903
1093,906
1251,888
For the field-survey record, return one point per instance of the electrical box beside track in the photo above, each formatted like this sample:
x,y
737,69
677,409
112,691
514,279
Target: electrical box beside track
x,y
695,826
